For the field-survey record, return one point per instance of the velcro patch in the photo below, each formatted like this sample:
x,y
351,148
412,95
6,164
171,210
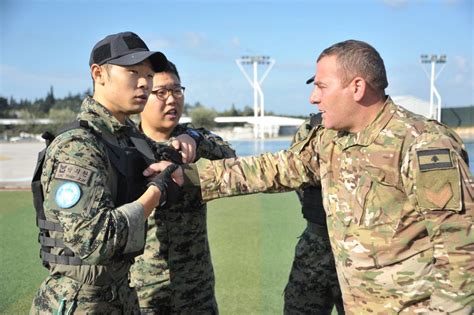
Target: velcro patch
x,y
434,159
73,172
67,195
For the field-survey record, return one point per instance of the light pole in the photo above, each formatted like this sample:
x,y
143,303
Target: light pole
x,y
255,83
434,59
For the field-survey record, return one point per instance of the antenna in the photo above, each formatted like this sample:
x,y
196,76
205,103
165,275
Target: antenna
x,y
256,84
434,59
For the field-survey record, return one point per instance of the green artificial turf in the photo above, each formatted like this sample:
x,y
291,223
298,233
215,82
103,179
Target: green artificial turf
x,y
21,271
252,241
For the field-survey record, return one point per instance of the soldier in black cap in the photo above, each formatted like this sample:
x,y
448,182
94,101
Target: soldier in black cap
x,y
90,197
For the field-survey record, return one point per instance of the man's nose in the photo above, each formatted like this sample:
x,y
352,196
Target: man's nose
x,y
170,99
314,97
145,83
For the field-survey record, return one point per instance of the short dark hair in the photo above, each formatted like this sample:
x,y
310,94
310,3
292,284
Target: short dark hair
x,y
171,68
357,58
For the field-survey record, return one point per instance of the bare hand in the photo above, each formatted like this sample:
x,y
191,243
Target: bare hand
x,y
157,168
186,145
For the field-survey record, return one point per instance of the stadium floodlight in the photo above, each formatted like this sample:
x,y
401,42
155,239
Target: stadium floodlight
x,y
433,60
256,84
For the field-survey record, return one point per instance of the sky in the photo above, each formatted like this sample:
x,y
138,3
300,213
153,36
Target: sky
x,y
47,43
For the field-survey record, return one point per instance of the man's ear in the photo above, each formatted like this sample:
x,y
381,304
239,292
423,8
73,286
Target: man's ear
x,y
359,87
98,74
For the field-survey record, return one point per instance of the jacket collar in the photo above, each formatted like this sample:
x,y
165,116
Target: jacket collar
x,y
368,135
99,116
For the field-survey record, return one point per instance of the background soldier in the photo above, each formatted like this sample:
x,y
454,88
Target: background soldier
x,y
175,273
398,194
312,286
95,200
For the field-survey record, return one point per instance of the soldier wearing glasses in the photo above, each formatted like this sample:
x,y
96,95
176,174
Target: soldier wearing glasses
x,y
175,273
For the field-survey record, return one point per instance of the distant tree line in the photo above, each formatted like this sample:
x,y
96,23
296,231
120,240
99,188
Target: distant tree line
x,y
61,110
40,108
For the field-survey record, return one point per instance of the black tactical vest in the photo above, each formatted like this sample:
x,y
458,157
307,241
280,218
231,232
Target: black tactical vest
x,y
312,199
129,164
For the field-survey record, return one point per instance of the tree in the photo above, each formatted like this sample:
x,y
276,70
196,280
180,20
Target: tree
x,y
188,108
59,117
12,102
230,112
62,116
46,104
203,117
50,99
4,108
72,102
248,111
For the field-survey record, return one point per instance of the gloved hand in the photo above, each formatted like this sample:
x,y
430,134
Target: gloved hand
x,y
170,191
168,153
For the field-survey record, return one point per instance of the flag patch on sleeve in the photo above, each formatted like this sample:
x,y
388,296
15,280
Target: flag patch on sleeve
x,y
434,159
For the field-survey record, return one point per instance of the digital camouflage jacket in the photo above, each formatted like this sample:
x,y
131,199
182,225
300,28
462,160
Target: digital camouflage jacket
x,y
175,273
79,187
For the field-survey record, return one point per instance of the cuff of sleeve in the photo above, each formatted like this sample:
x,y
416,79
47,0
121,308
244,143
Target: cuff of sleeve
x,y
134,212
191,176
192,184
208,179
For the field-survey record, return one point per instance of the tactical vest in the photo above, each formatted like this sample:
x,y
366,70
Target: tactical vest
x,y
313,210
128,163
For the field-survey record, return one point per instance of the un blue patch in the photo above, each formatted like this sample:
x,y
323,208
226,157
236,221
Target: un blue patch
x,y
67,195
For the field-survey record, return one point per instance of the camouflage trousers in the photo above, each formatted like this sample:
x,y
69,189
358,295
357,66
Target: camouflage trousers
x,y
63,295
313,287
175,273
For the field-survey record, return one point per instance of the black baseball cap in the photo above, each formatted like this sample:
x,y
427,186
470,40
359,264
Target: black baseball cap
x,y
310,80
126,49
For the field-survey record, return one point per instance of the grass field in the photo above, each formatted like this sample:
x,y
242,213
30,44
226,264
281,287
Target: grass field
x,y
252,241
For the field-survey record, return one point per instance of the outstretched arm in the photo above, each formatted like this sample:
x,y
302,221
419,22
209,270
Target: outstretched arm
x,y
213,147
282,171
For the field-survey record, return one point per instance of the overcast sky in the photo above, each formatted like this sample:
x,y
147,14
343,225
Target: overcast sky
x,y
46,43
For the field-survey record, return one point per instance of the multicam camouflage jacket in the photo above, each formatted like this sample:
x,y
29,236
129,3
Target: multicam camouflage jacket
x,y
399,202
312,205
175,273
79,190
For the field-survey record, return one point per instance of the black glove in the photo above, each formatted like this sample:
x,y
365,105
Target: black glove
x,y
168,153
170,191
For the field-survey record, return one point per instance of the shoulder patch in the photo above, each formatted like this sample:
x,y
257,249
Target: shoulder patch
x,y
434,159
67,195
73,172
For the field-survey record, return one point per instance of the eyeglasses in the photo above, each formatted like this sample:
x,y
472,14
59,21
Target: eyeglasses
x,y
163,93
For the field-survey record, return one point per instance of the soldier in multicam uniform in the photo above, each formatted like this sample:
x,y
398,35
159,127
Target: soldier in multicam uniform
x,y
175,273
312,287
92,220
397,190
